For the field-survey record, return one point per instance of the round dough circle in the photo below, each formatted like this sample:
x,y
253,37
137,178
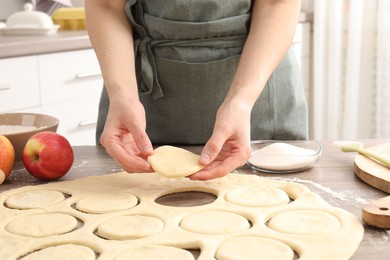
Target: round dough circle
x,y
155,252
215,222
174,162
257,197
42,225
68,251
252,247
107,202
34,199
307,222
130,227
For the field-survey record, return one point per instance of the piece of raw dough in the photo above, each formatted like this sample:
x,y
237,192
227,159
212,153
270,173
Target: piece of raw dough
x,y
107,202
215,222
34,199
155,252
253,248
130,227
307,222
42,225
68,251
257,197
174,162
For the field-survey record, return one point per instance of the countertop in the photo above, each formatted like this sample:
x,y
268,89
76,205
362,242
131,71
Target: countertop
x,y
15,46
332,178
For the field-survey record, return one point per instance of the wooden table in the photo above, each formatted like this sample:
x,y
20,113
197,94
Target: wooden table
x,y
332,178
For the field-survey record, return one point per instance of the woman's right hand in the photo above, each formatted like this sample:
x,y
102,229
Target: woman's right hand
x,y
124,136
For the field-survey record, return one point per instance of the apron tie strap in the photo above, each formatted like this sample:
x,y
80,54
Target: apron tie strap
x,y
147,76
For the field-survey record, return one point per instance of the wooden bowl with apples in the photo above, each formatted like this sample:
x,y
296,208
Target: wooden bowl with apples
x,y
19,127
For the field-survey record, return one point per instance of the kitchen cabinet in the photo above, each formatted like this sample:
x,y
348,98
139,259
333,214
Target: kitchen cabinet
x,y
66,85
19,83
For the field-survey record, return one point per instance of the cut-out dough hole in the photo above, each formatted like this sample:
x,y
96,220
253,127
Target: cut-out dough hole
x,y
35,199
43,225
129,227
253,248
307,222
154,252
187,199
215,222
384,209
194,252
67,251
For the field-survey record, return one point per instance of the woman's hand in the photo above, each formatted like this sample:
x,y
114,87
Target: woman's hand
x,y
229,145
124,136
271,32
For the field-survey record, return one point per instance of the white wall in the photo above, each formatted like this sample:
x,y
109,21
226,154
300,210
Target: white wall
x,y
7,7
307,5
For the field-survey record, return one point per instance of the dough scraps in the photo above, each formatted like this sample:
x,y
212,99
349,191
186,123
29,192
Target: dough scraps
x,y
174,162
285,220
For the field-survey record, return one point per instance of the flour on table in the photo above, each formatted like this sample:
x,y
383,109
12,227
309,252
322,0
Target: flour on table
x,y
282,157
285,219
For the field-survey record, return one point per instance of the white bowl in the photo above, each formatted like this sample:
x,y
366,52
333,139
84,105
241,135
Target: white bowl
x,y
284,156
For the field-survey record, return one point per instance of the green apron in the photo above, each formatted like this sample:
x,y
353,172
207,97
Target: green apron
x,y
187,52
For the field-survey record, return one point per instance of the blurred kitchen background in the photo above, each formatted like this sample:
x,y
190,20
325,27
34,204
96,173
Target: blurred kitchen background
x,y
343,48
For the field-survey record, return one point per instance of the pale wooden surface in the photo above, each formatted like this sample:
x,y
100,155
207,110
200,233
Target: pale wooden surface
x,y
372,172
377,213
332,178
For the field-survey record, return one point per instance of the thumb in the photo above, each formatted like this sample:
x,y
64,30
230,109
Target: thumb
x,y
143,142
211,150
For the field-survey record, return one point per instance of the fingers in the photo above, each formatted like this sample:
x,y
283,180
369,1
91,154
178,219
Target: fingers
x,y
123,149
211,150
217,169
129,162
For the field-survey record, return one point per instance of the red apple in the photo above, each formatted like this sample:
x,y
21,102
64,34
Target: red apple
x,y
7,157
47,155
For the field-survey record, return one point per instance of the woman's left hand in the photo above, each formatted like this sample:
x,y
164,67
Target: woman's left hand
x,y
229,145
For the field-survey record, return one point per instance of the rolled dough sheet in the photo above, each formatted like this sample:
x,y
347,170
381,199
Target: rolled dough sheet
x,y
145,228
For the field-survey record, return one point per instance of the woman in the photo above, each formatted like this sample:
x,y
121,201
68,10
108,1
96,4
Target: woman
x,y
191,72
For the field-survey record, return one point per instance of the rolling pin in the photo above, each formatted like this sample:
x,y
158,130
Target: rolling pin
x,y
377,213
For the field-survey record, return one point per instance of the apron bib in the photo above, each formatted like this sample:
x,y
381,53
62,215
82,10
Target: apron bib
x,y
186,55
